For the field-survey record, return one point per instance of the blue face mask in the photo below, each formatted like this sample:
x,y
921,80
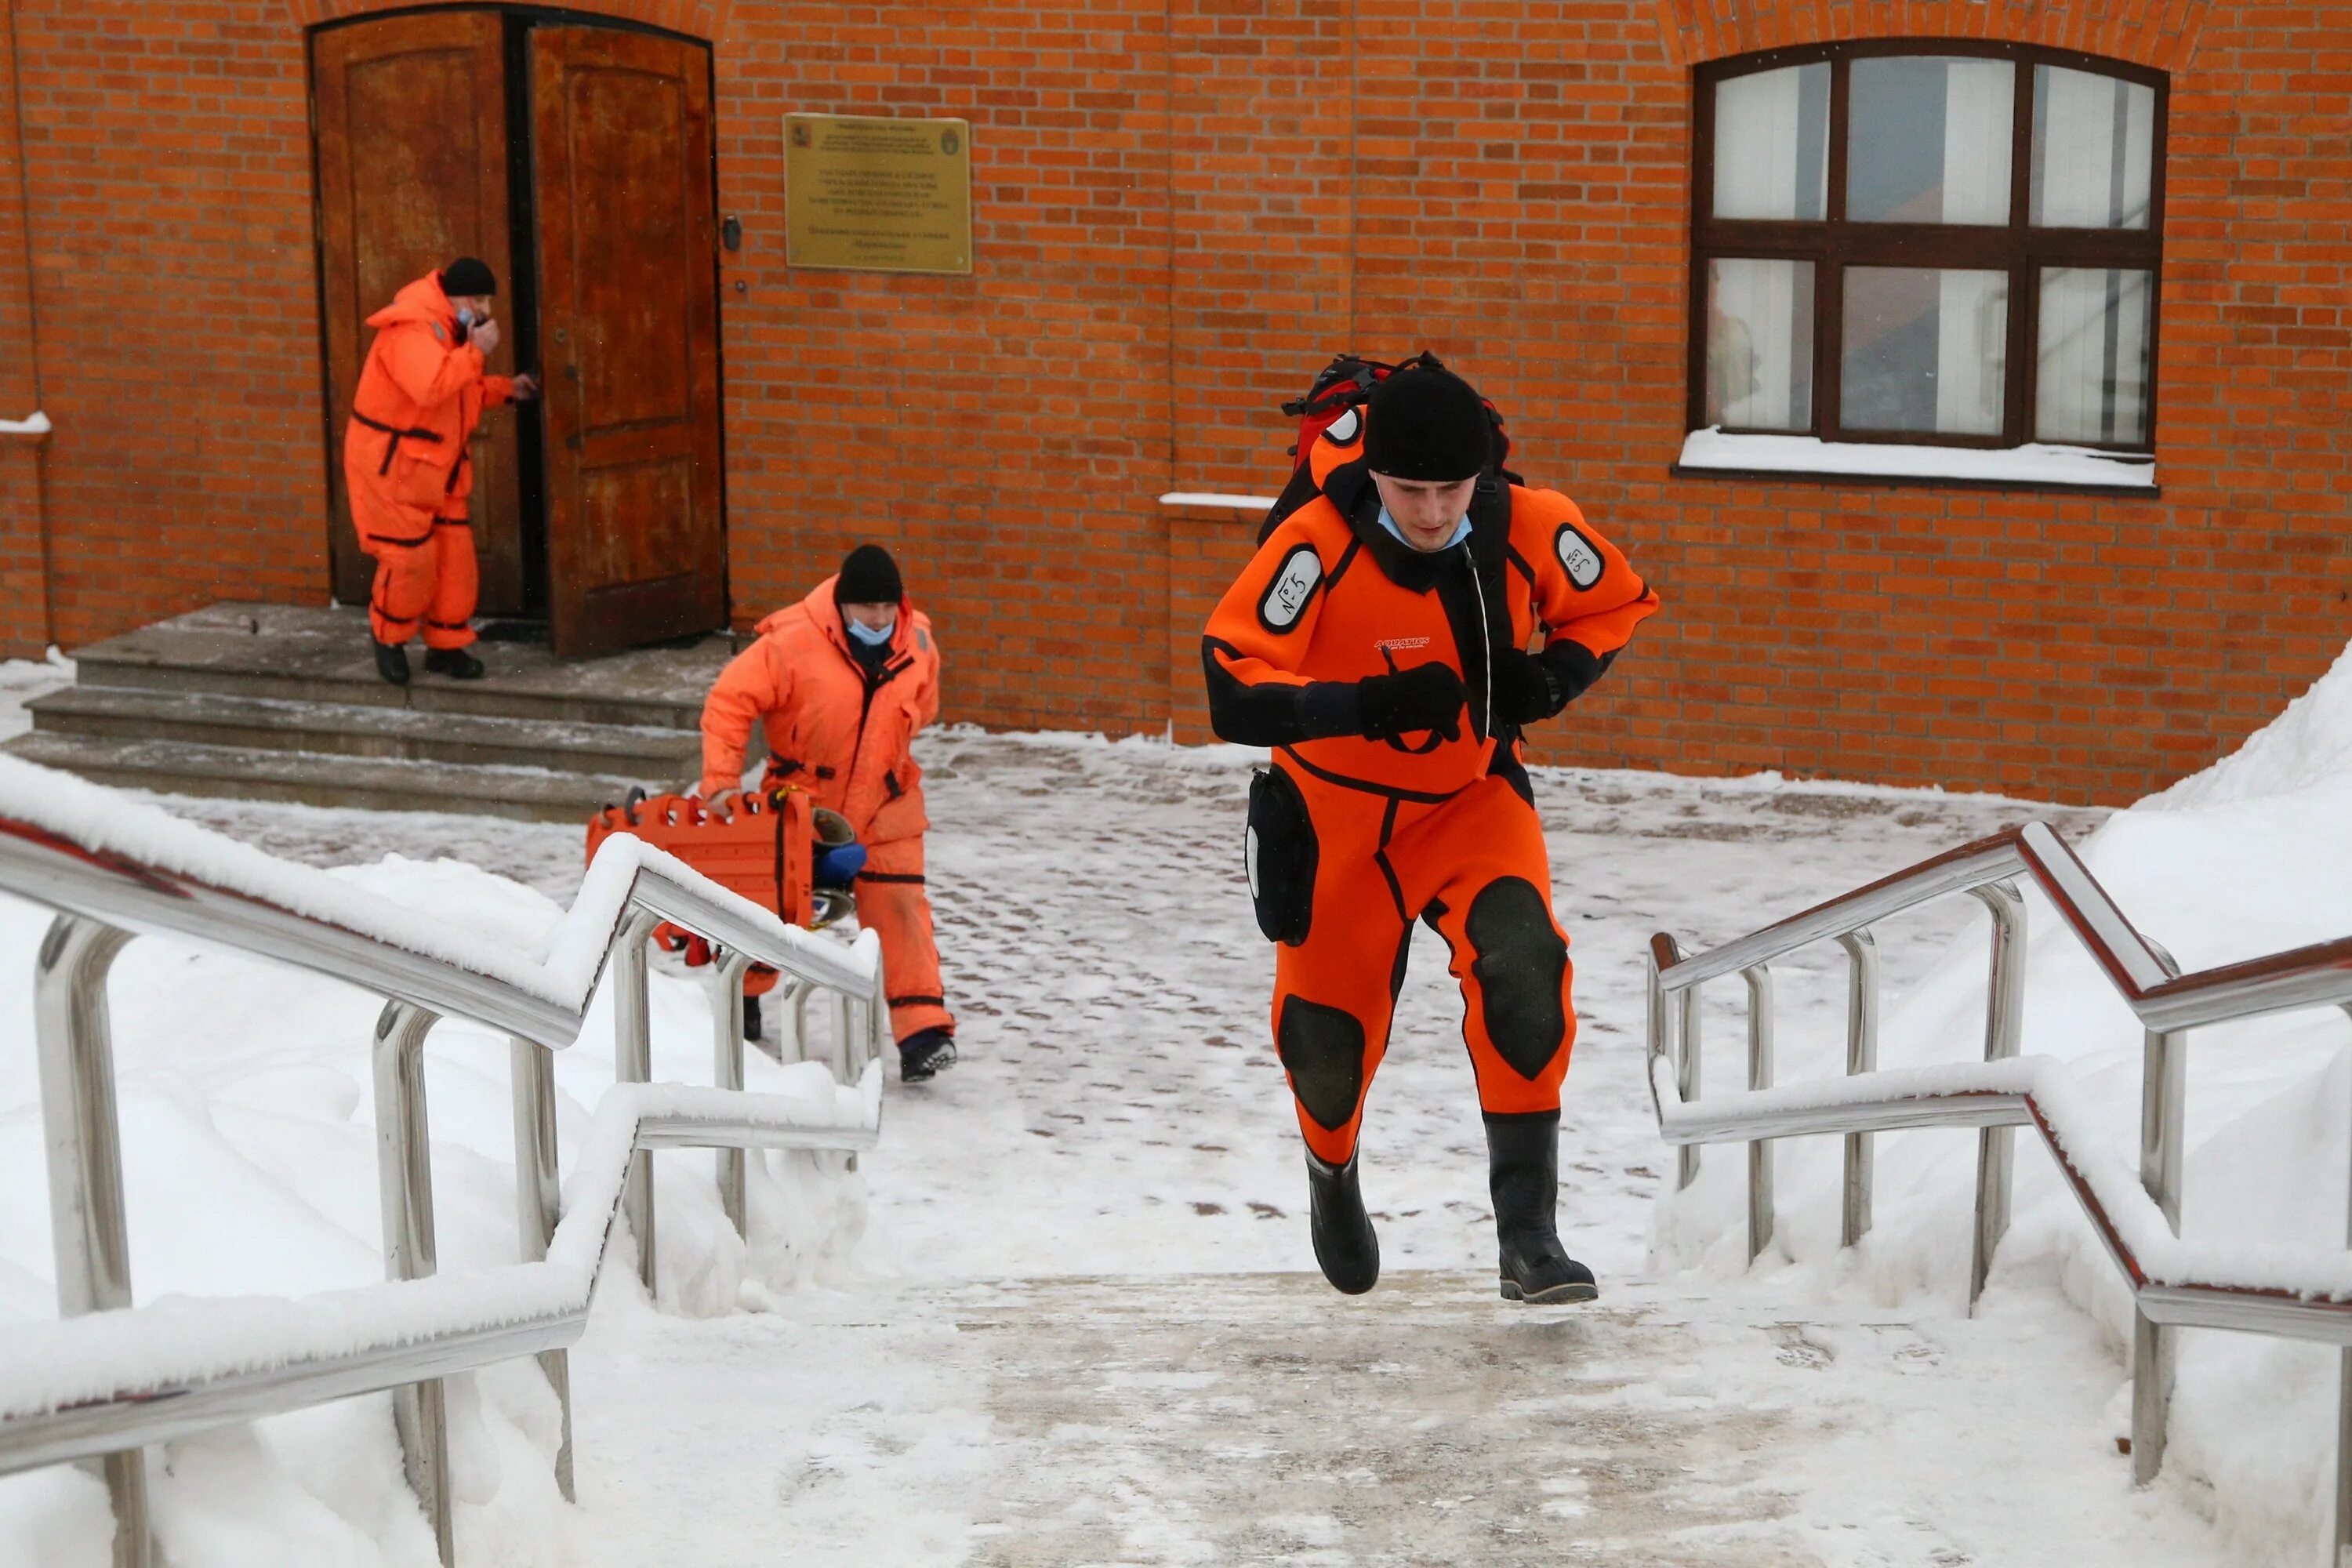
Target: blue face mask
x,y
1460,532
465,315
870,635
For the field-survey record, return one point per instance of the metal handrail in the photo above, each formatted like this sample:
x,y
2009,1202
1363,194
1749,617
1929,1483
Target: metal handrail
x,y
111,870
2136,1224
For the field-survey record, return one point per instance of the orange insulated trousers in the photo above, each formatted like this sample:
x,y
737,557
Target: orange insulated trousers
x,y
1474,869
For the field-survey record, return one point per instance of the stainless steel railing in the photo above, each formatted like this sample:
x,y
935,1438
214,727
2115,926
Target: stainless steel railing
x,y
109,882
2139,1225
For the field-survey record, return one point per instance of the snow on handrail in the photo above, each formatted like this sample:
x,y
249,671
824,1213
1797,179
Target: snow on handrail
x,y
106,1381
2311,976
85,850
2037,1091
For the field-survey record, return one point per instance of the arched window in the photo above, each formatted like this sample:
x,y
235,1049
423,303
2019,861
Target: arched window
x,y
1927,241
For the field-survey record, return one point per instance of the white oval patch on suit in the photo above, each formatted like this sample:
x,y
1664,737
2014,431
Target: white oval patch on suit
x,y
1293,586
1343,430
1579,556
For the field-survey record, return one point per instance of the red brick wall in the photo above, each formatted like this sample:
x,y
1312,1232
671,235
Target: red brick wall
x,y
1183,206
24,588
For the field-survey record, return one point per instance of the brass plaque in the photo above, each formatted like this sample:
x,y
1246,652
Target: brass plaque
x,y
878,193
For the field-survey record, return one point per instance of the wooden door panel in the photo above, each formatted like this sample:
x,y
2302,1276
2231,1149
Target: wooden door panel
x,y
629,319
412,161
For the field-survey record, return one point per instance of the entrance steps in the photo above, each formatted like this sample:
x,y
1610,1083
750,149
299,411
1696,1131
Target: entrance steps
x,y
274,702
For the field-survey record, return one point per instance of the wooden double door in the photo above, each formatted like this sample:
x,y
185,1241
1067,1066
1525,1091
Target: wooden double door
x,y
576,160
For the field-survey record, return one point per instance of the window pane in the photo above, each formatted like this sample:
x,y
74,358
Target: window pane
x,y
1772,145
2093,142
1924,351
2092,383
1759,344
1928,140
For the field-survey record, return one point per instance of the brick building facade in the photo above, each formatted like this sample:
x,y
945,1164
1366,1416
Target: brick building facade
x,y
1182,208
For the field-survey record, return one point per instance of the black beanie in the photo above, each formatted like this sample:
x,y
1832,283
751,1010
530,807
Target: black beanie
x,y
467,276
868,576
1427,423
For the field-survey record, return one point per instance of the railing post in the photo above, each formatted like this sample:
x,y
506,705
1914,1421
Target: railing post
x,y
2163,1109
404,1193
727,1072
2343,1423
2004,1036
1759,1075
1687,1083
75,1043
538,1204
842,1025
1861,1057
633,1062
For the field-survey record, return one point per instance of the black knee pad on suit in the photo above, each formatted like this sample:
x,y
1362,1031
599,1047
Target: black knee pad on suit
x,y
1519,961
1323,1050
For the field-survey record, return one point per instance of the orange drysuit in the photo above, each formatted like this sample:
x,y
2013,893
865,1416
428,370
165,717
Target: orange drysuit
x,y
407,470
845,736
1353,839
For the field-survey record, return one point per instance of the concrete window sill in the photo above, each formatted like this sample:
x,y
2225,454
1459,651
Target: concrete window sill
x,y
1711,453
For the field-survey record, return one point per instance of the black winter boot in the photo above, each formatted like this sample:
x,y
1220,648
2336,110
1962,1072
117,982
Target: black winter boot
x,y
392,662
922,1055
1523,1174
454,662
1344,1242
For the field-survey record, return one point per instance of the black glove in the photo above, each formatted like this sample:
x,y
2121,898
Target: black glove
x,y
1526,688
1426,697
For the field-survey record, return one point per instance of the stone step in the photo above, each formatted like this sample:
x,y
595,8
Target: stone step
x,y
658,756
286,652
309,778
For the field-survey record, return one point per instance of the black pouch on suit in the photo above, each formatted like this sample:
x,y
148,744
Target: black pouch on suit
x,y
1279,853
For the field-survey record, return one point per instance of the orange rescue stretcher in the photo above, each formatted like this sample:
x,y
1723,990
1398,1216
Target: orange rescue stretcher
x,y
768,851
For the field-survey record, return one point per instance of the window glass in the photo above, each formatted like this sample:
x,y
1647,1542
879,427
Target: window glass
x,y
2094,149
1772,145
1925,350
2092,374
1759,344
1929,139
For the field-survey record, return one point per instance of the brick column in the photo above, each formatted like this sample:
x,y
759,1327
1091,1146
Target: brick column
x,y
24,576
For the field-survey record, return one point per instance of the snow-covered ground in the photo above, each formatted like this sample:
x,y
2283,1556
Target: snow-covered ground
x,y
1117,1114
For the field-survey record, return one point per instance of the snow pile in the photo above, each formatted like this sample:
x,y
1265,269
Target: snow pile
x,y
2247,859
250,1169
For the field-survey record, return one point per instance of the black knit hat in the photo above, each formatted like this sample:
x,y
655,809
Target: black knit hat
x,y
868,576
1427,423
467,277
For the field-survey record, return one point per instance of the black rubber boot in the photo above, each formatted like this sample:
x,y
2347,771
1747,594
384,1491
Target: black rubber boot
x,y
392,662
454,662
922,1055
1523,1174
1345,1244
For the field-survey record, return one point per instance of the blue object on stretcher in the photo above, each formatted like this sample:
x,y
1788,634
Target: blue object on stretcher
x,y
837,864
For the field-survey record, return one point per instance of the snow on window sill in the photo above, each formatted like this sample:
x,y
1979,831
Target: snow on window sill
x,y
1710,453
35,426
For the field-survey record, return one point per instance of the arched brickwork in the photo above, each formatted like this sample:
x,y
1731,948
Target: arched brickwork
x,y
2161,33
705,19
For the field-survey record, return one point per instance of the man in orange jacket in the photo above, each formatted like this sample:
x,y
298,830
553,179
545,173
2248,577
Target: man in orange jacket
x,y
843,681
407,470
1378,642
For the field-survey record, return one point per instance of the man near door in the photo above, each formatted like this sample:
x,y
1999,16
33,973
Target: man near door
x,y
408,471
843,681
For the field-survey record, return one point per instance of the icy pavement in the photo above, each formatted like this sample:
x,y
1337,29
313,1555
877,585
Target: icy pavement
x,y
1257,1419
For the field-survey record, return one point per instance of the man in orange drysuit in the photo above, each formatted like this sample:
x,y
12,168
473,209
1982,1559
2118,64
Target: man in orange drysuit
x,y
843,680
407,471
1377,642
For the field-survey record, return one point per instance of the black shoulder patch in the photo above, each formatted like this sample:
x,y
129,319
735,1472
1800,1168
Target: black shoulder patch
x,y
1579,556
1294,584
